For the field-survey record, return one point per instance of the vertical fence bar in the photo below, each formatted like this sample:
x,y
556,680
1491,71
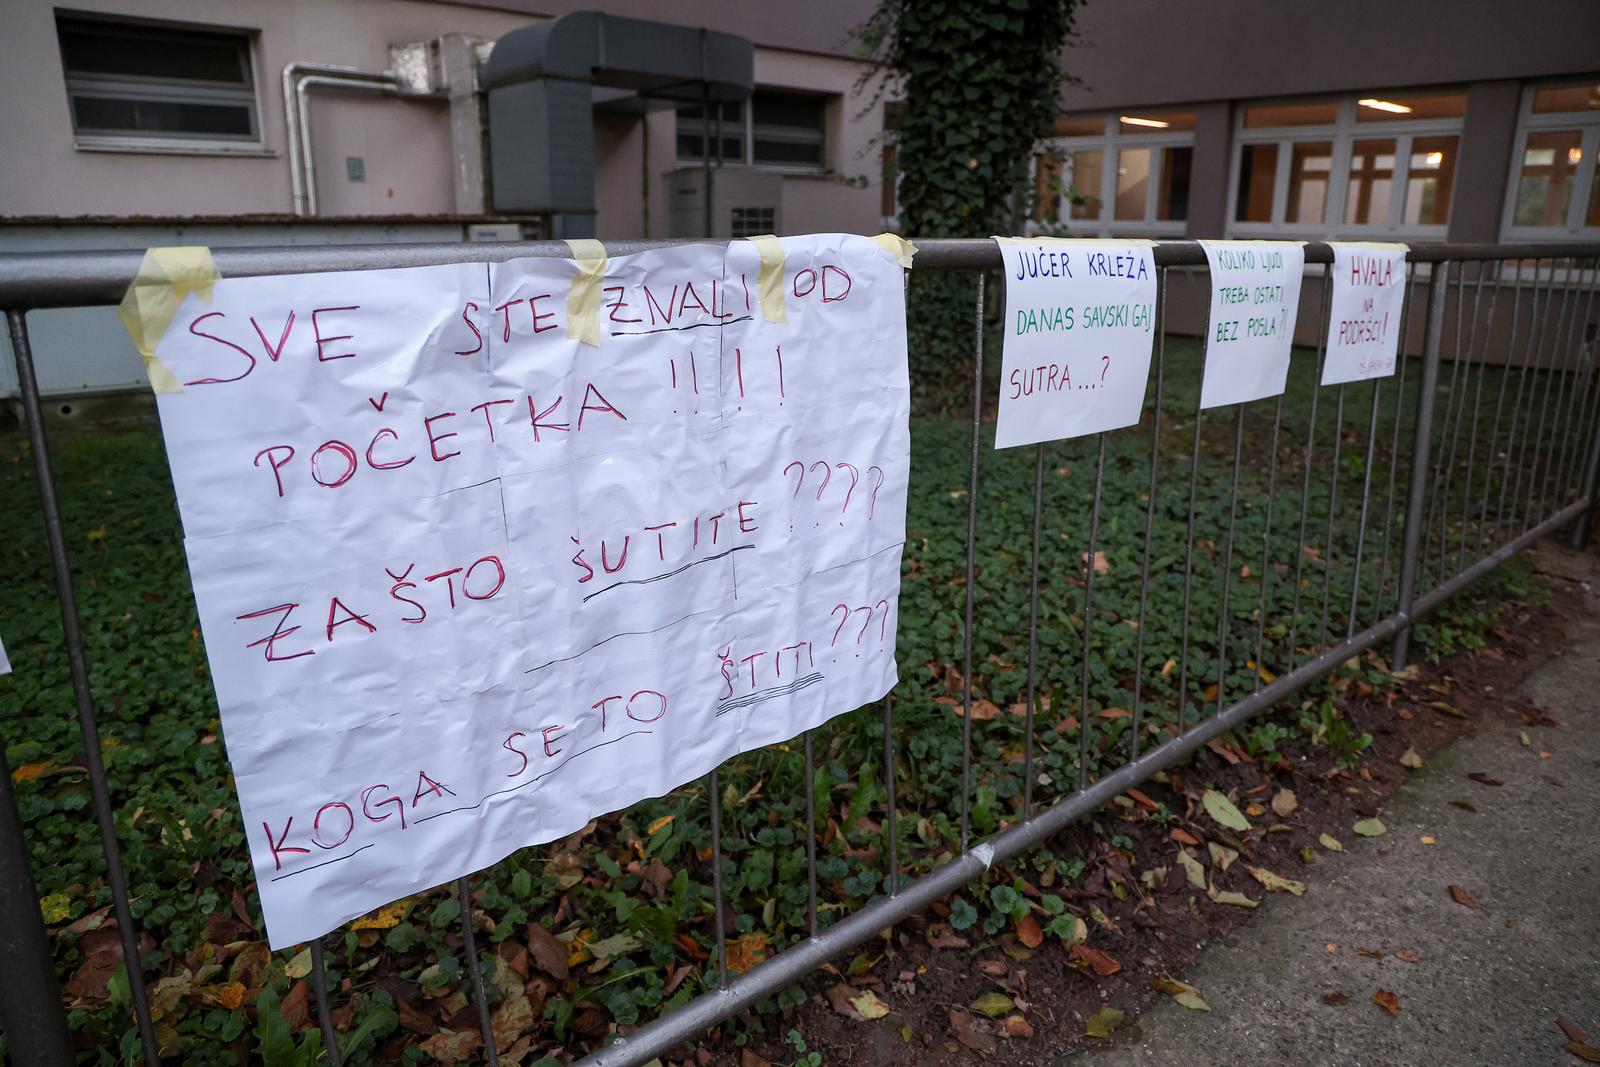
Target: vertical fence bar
x,y
319,988
1366,496
1085,727
1227,564
719,902
1422,437
1444,461
811,838
1564,472
1266,548
1485,531
1149,519
1188,567
30,998
1033,631
55,532
1569,374
1530,441
1477,404
1512,464
972,541
891,824
1311,449
1542,457
469,948
1394,444
1333,507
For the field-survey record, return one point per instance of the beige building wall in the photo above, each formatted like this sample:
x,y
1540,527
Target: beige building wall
x,y
403,143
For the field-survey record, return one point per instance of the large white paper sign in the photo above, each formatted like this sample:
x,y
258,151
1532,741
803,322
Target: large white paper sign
x,y
1255,295
5,664
1079,326
1369,282
467,582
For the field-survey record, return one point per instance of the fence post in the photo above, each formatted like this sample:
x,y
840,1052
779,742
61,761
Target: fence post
x,y
1421,447
30,1000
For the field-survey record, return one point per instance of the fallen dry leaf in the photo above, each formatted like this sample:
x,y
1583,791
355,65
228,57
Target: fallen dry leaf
x,y
1462,897
941,936
1238,900
1370,828
1182,992
750,1058
1409,955
1386,1000
1284,802
452,1046
975,1033
1410,759
1183,837
745,951
1104,1022
1484,779
1337,1000
1028,931
993,1005
1192,870
1015,1026
1221,809
549,954
1370,953
1428,839
1330,843
869,1006
1098,961
1570,1028
1588,1053
1276,882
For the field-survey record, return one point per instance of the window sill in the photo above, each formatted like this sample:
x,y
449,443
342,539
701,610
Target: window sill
x,y
141,147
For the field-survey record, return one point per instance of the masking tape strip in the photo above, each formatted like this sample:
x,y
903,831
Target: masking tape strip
x,y
583,299
1130,242
1375,246
166,276
769,282
898,247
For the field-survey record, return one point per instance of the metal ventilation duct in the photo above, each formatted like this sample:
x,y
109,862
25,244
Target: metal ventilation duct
x,y
542,81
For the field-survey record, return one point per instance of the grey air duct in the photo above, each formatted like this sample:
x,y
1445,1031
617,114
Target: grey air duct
x,y
544,81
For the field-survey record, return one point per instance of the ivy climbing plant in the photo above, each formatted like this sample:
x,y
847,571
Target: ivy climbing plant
x,y
979,80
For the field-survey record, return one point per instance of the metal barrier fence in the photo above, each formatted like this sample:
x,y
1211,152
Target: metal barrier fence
x,y
1485,443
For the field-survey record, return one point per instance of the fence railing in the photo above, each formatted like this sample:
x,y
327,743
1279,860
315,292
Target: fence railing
x,y
1343,529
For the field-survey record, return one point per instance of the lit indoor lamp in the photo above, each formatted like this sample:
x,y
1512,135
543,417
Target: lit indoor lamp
x,y
1385,105
1155,124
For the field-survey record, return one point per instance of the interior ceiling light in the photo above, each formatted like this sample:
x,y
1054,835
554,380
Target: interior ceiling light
x,y
1156,124
1574,156
1435,158
1385,105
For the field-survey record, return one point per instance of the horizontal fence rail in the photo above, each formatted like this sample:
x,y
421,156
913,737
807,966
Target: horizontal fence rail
x,y
1351,512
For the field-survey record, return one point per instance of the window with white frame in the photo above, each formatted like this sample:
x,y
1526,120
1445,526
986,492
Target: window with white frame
x,y
774,128
149,85
1115,174
1553,191
1373,165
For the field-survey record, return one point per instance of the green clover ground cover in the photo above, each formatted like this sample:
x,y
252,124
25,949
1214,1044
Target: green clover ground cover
x,y
616,925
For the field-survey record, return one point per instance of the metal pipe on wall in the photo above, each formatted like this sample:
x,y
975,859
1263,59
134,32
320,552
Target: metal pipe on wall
x,y
297,79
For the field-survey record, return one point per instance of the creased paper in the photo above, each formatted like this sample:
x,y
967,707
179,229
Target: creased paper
x,y
1255,297
467,582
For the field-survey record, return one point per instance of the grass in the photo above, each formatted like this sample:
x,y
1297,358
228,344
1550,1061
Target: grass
x,y
633,898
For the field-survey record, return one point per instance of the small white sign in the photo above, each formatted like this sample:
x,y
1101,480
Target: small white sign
x,y
1369,284
5,664
1079,326
1255,294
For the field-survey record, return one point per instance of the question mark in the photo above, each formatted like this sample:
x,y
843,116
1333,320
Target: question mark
x,y
872,506
827,476
855,476
1104,369
798,483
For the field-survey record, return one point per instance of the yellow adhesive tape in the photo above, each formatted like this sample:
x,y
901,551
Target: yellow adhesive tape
x,y
898,247
769,282
583,299
166,276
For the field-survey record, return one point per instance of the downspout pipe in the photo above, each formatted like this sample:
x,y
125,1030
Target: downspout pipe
x,y
298,79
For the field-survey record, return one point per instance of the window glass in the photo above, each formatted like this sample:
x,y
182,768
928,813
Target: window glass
x,y
1133,182
1389,108
787,128
1258,173
1430,181
692,133
1172,199
1080,181
752,221
1371,183
1310,164
1556,98
1080,126
1264,116
1047,186
1143,122
1593,217
1550,159
158,82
